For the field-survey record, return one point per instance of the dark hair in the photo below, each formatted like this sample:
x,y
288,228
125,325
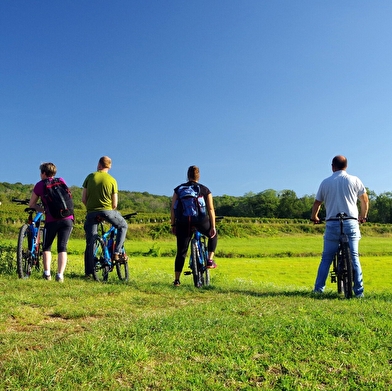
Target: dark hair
x,y
339,162
193,173
49,169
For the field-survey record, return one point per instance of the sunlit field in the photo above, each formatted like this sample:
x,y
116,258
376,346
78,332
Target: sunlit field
x,y
257,326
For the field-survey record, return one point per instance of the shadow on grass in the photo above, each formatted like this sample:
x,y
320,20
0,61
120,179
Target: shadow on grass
x,y
187,286
309,294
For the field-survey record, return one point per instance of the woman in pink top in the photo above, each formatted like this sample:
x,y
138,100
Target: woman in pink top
x,y
60,227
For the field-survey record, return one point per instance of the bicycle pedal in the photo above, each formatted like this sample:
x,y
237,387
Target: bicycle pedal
x,y
187,273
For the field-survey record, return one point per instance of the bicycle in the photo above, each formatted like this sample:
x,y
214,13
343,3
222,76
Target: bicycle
x,y
29,254
103,250
198,259
342,266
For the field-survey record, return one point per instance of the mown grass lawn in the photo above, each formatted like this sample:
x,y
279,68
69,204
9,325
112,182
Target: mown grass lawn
x,y
257,326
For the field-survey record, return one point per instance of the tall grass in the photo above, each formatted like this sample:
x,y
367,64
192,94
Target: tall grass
x,y
257,326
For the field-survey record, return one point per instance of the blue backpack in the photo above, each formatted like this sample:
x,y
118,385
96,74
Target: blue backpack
x,y
190,205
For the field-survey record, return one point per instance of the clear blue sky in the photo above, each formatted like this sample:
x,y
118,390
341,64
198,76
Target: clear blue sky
x,y
259,94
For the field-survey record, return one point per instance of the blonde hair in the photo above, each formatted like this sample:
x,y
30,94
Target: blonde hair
x,y
193,173
105,162
49,169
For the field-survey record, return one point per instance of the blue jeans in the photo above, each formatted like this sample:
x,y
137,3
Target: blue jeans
x,y
331,244
91,228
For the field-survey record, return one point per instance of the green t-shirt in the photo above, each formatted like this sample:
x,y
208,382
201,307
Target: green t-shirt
x,y
100,188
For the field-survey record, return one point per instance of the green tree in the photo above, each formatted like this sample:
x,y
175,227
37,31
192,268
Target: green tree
x,y
288,207
383,205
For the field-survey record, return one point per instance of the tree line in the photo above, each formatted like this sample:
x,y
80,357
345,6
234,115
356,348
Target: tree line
x,y
267,204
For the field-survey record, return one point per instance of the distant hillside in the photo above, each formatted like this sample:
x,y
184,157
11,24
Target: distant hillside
x,y
267,204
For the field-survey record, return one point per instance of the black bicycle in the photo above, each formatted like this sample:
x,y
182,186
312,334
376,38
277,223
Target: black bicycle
x,y
103,250
29,254
199,258
342,266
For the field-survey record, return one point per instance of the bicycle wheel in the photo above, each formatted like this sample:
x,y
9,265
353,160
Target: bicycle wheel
x,y
338,269
40,246
24,258
205,272
122,269
196,264
347,271
101,268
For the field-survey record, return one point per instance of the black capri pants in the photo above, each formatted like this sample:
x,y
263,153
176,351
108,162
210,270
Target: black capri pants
x,y
61,228
184,235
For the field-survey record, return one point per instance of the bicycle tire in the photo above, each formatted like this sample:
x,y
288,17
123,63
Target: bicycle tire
x,y
41,245
206,275
24,263
122,270
338,267
347,271
195,264
101,268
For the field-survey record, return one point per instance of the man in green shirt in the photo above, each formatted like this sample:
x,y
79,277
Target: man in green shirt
x,y
100,196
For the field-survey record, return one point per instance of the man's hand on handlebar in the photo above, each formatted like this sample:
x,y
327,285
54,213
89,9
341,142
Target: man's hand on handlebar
x,y
315,220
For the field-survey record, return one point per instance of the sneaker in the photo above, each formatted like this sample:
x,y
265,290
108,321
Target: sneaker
x,y
45,277
176,283
59,279
360,296
211,264
121,258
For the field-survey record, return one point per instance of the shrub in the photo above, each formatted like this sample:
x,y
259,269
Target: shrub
x,y
7,259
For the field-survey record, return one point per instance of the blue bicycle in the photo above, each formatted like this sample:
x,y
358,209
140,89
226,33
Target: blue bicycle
x,y
198,259
103,250
29,254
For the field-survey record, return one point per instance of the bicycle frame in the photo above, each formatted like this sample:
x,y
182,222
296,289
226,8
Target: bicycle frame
x,y
104,250
108,239
34,226
29,256
198,259
342,270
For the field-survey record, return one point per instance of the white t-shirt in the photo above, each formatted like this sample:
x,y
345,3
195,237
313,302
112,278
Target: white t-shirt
x,y
340,193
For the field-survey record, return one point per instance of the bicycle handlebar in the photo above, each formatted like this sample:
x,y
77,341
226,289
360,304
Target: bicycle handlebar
x,y
21,202
340,217
320,221
129,215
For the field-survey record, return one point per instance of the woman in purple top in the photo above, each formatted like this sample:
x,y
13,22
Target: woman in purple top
x,y
60,227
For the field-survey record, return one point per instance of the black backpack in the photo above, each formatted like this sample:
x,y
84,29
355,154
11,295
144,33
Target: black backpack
x,y
190,205
58,198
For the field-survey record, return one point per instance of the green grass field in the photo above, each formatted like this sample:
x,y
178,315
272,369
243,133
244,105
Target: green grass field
x,y
257,326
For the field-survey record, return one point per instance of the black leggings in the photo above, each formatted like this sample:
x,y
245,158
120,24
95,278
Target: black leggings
x,y
184,235
61,228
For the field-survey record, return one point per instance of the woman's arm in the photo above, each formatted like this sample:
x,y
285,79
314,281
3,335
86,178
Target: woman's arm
x,y
172,215
211,214
33,203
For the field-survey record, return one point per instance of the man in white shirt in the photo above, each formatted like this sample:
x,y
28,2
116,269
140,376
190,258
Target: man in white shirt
x,y
340,193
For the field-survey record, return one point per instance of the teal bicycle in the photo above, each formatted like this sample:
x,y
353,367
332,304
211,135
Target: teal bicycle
x,y
198,259
29,254
103,250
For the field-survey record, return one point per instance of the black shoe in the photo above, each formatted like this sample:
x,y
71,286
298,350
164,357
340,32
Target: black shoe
x,y
176,283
